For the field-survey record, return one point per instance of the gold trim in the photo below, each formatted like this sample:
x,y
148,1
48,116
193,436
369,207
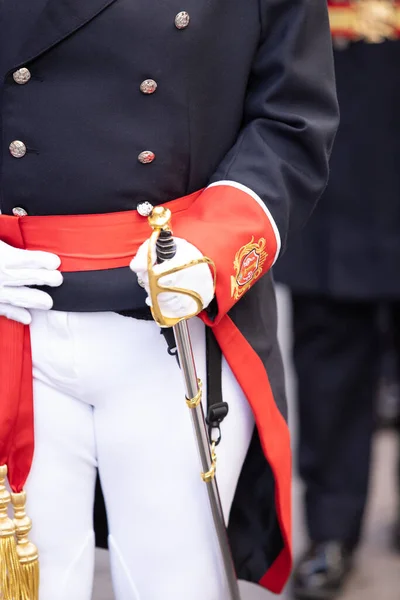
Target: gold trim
x,y
372,21
194,402
11,579
209,476
27,552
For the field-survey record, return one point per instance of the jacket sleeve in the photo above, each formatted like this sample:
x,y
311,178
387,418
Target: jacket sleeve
x,y
270,180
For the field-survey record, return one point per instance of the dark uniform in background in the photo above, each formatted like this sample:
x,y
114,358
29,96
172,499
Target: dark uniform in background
x,y
340,270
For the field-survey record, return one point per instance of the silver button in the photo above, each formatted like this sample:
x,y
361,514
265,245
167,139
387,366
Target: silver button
x,y
182,20
22,76
19,212
148,86
146,157
144,209
17,149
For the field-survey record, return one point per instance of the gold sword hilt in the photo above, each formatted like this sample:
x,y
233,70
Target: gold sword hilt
x,y
163,247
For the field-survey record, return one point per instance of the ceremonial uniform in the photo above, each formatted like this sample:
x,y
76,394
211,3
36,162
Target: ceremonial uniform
x,y
226,111
340,269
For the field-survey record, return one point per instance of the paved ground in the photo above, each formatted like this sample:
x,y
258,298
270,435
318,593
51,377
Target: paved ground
x,y
378,570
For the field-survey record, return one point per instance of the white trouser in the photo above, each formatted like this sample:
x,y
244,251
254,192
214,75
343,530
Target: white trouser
x,y
108,396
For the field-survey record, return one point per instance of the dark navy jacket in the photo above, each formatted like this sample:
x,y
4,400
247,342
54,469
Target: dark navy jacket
x,y
85,121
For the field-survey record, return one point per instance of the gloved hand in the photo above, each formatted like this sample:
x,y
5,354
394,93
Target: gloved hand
x,y
197,279
19,269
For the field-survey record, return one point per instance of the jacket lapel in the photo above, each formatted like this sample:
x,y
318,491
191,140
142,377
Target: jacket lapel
x,y
57,20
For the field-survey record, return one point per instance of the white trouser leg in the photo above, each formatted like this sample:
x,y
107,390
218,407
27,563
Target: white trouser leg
x,y
60,488
162,538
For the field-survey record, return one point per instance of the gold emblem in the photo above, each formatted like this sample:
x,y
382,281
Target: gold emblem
x,y
376,20
248,265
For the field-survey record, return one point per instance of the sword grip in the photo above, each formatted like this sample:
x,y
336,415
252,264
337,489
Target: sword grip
x,y
165,246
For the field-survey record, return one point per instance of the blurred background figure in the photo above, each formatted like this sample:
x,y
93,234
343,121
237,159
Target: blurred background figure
x,y
388,404
343,270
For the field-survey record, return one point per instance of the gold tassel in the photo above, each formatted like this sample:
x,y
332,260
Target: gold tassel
x,y
10,569
27,552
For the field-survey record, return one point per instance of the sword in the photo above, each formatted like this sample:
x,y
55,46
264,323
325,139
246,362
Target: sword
x,y
162,242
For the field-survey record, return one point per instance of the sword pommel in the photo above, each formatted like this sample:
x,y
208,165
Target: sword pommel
x,y
160,218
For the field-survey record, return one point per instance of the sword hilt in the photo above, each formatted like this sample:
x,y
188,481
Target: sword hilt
x,y
165,246
162,242
160,221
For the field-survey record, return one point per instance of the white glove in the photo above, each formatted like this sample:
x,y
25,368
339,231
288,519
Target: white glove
x,y
19,269
196,279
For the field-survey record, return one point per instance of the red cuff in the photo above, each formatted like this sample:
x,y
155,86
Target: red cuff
x,y
231,225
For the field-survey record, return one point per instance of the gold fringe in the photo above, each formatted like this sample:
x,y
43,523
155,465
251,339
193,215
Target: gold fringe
x,y
10,570
11,586
27,552
30,575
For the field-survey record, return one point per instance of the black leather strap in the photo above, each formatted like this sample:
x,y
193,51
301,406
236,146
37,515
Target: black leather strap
x,y
168,333
217,409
